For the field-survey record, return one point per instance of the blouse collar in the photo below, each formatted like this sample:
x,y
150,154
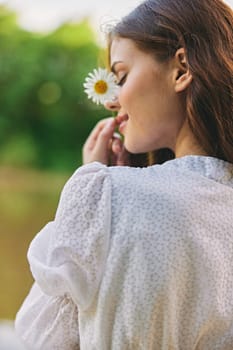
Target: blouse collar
x,y
211,167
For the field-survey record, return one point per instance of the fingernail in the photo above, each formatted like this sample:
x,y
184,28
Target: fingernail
x,y
117,136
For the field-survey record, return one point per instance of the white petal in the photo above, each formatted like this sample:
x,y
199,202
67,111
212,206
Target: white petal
x,y
88,84
89,80
92,76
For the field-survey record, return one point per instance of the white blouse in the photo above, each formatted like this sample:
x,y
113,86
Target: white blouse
x,y
135,259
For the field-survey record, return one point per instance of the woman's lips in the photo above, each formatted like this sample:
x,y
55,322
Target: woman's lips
x,y
122,121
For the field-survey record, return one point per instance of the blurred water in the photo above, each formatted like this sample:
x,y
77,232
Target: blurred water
x,y
28,200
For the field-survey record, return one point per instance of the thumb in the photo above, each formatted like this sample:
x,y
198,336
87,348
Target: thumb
x,y
105,135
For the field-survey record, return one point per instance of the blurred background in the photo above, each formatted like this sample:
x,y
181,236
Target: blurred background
x,y
47,47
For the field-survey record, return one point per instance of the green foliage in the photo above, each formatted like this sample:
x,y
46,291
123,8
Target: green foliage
x,y
45,116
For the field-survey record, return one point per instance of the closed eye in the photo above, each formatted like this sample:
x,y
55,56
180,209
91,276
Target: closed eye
x,y
122,80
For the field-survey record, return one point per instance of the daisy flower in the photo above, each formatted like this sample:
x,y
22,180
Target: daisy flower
x,y
100,86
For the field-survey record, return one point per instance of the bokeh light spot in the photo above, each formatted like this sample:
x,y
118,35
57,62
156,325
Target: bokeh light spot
x,y
49,93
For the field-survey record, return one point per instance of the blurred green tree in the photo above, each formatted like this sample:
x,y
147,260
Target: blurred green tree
x,y
45,116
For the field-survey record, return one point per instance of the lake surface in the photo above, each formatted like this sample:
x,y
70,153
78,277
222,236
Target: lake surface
x,y
28,200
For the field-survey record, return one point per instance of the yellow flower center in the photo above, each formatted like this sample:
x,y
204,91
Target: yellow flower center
x,y
101,87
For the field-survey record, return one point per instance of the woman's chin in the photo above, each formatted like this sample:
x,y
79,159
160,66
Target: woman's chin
x,y
133,147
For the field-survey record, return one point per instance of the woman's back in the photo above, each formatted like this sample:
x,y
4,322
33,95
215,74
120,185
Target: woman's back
x,y
144,254
167,282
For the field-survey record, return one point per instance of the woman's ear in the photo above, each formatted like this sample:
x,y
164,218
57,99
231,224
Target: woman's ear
x,y
183,76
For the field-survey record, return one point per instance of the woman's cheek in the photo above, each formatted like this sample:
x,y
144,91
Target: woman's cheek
x,y
125,96
121,98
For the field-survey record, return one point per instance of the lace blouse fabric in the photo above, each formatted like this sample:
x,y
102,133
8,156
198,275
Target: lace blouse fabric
x,y
135,259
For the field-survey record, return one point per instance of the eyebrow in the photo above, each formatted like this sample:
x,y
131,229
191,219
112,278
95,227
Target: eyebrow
x,y
113,66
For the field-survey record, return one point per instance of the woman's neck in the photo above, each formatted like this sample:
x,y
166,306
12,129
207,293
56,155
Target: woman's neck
x,y
186,143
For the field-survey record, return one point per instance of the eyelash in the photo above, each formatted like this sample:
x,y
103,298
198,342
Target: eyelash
x,y
121,82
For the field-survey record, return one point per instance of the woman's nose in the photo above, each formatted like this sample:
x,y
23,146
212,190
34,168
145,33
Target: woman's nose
x,y
112,105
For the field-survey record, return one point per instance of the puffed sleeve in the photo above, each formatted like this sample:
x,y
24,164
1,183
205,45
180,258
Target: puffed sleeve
x,y
67,259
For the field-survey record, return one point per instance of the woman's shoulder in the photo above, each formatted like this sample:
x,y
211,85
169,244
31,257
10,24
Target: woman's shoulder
x,y
95,174
86,190
86,178
187,170
183,185
181,176
125,178
88,171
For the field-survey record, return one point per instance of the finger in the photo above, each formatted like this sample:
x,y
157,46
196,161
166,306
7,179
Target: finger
x,y
91,140
116,146
120,153
95,132
120,118
105,135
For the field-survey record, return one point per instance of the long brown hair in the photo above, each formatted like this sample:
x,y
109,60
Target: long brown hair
x,y
204,28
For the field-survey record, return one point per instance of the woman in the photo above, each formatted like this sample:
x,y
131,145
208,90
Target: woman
x,y
141,258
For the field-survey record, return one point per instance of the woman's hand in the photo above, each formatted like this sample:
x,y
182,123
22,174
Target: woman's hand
x,y
105,145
